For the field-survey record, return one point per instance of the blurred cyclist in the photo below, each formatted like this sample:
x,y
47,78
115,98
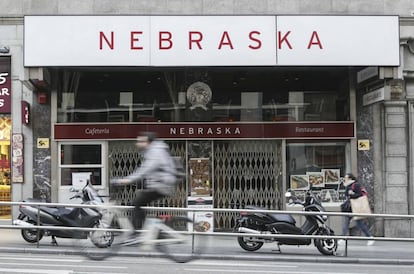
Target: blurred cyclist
x,y
158,170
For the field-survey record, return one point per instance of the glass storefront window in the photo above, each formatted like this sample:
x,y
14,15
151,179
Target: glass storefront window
x,y
203,94
80,154
80,161
317,166
67,175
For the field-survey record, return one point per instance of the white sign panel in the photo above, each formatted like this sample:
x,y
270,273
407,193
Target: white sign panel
x,y
211,40
338,40
375,96
86,41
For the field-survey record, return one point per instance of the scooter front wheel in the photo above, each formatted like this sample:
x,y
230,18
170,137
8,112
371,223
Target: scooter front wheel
x,y
326,246
30,235
98,245
101,239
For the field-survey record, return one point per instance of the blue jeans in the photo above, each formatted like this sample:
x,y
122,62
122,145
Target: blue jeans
x,y
361,225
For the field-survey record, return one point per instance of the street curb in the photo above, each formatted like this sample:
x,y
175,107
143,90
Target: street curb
x,y
249,257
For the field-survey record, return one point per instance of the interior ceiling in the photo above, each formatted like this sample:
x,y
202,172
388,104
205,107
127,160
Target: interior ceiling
x,y
244,78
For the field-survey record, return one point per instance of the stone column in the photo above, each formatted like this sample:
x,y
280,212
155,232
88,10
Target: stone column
x,y
395,184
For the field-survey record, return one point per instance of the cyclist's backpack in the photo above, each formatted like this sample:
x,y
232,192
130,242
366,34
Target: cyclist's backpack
x,y
179,168
176,167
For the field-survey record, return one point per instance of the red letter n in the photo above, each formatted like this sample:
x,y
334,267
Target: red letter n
x,y
102,38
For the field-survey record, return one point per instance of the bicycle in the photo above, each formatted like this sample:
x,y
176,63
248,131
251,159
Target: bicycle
x,y
168,234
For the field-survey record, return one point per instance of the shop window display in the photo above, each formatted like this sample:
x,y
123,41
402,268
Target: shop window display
x,y
203,95
319,167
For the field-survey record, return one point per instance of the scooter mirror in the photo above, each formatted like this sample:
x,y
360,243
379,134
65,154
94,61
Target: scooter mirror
x,y
72,189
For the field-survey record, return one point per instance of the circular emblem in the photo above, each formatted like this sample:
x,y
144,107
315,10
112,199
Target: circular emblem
x,y
199,95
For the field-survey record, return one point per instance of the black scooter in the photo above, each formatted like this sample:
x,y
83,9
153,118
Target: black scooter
x,y
65,216
262,223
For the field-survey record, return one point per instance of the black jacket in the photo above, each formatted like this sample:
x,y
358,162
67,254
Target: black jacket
x,y
354,190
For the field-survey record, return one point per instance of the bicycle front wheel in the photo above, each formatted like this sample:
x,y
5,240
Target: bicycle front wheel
x,y
175,241
97,244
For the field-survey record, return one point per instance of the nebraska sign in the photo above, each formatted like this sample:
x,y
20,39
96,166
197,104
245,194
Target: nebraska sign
x,y
294,130
211,40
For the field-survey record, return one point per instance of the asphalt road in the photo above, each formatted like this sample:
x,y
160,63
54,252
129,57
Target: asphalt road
x,y
69,264
224,249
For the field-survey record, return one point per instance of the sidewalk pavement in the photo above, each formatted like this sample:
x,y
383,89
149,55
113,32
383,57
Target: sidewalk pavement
x,y
227,248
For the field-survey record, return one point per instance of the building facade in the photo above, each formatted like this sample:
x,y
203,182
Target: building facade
x,y
255,96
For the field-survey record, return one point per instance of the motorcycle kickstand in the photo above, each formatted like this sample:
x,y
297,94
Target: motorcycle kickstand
x,y
278,249
54,242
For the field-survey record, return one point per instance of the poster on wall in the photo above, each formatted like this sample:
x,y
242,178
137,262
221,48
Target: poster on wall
x,y
203,221
331,176
316,179
17,158
200,182
79,179
299,182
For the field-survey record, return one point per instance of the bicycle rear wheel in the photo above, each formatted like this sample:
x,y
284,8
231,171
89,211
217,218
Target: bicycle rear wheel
x,y
178,245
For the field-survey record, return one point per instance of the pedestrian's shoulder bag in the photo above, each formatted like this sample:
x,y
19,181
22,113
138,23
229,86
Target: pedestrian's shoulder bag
x,y
361,204
346,206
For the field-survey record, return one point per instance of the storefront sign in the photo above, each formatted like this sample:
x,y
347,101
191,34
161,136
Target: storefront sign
x,y
17,158
5,85
366,74
25,112
211,40
293,130
376,96
203,221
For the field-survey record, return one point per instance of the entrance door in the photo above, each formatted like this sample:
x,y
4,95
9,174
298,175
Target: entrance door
x,y
78,163
234,173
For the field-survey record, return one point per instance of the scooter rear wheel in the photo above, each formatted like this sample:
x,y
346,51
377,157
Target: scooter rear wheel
x,y
249,244
30,235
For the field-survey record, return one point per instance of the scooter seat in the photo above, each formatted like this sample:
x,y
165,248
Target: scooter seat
x,y
66,216
286,218
279,217
51,210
